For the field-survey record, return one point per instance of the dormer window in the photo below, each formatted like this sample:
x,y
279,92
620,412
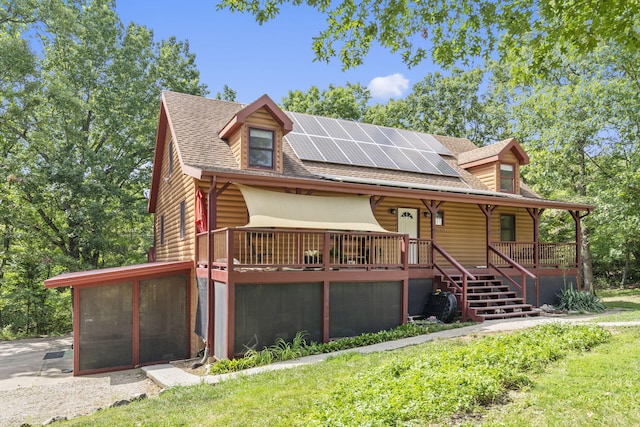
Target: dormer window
x,y
507,178
261,148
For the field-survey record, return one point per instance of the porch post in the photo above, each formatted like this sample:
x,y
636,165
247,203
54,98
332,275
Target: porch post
x,y
487,210
433,207
535,213
325,311
577,219
211,223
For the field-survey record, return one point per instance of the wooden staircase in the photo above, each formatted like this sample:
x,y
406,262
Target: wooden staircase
x,y
488,298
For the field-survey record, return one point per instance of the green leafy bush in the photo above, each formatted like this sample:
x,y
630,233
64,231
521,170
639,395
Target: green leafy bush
x,y
299,347
582,301
426,387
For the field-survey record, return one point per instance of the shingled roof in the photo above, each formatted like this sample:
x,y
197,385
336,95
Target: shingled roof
x,y
195,123
493,152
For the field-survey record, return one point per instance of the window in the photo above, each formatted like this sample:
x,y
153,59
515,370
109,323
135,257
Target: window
x,y
162,230
182,220
439,218
261,148
170,157
508,228
507,178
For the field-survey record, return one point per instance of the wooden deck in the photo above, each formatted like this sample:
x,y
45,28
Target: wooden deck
x,y
308,250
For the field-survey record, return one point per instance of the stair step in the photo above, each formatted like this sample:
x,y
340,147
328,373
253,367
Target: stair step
x,y
508,315
503,308
486,302
490,295
488,289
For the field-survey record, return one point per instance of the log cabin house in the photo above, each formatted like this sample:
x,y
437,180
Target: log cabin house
x,y
268,222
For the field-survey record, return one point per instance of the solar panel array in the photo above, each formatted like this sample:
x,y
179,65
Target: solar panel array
x,y
324,139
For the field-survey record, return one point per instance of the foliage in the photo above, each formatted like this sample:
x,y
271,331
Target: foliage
x,y
283,350
348,102
451,105
448,380
78,117
525,32
593,389
571,299
420,383
227,94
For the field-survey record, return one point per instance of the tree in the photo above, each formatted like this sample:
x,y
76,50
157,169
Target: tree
x,y
78,114
580,127
458,30
227,94
348,102
452,105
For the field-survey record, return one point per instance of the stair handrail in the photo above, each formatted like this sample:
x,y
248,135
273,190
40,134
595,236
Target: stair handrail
x,y
523,272
465,275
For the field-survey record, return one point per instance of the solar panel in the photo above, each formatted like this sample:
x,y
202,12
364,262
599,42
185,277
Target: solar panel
x,y
355,153
415,141
376,134
396,137
355,131
303,147
438,162
399,158
339,141
333,127
433,143
378,156
421,162
330,150
311,126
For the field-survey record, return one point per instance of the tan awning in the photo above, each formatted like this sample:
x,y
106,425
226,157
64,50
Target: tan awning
x,y
284,210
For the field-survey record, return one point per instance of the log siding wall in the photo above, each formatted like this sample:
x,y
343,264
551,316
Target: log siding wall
x,y
177,188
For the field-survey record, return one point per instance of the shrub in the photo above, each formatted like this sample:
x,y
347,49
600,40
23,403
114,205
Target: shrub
x,y
283,350
582,301
427,386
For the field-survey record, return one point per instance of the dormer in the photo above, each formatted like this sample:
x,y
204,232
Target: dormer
x,y
496,165
255,135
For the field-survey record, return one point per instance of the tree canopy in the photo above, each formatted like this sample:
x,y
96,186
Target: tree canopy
x,y
79,101
455,31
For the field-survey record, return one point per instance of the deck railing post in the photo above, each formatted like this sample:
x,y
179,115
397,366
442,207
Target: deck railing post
x,y
326,251
464,297
229,252
405,252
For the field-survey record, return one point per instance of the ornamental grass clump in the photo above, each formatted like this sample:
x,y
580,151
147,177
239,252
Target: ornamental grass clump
x,y
581,301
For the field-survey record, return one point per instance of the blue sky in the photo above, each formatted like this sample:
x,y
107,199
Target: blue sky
x,y
232,49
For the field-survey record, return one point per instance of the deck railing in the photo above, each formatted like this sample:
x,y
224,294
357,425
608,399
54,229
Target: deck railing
x,y
556,255
420,253
301,249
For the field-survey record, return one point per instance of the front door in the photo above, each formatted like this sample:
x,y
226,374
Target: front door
x,y
408,224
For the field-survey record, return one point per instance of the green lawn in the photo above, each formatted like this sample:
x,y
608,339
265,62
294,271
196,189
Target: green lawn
x,y
598,388
626,299
421,385
552,375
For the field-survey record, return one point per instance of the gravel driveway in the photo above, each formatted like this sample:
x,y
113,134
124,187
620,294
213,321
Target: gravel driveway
x,y
34,389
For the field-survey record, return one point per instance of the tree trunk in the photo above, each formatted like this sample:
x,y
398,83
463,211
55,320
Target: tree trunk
x,y
625,269
587,265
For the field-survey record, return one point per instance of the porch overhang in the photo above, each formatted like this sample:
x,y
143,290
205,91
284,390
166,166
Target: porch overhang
x,y
116,274
285,210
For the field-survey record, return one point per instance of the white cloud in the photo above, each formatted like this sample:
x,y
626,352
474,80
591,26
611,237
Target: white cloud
x,y
393,86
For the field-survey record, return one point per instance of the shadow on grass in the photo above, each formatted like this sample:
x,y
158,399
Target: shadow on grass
x,y
622,304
